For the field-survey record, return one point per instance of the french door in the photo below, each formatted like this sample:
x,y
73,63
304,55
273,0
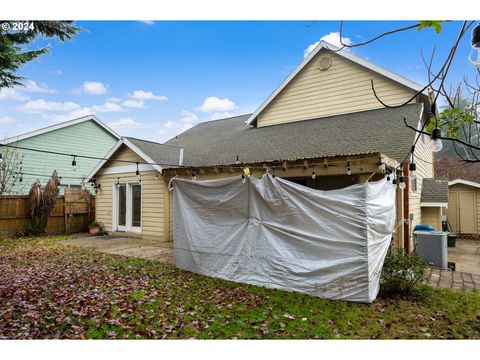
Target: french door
x,y
128,207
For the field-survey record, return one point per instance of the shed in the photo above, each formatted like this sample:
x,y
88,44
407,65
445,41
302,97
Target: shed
x,y
434,198
463,212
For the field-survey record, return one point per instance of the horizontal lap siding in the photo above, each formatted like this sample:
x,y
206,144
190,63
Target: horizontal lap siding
x,y
86,138
344,88
154,193
424,162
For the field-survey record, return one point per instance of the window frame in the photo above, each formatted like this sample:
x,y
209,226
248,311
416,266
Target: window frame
x,y
129,208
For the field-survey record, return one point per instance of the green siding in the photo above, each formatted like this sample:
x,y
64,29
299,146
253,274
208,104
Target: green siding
x,y
86,138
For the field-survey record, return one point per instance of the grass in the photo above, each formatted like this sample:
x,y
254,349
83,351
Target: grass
x,y
52,291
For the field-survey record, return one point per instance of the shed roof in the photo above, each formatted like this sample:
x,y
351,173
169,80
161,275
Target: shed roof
x,y
434,191
219,142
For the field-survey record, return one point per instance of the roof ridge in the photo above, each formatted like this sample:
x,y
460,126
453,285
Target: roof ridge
x,y
153,142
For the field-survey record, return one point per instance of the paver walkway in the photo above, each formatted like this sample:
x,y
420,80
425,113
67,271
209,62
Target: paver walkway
x,y
456,280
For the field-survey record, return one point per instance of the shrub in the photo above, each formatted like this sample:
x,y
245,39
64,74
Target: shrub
x,y
34,227
402,273
95,223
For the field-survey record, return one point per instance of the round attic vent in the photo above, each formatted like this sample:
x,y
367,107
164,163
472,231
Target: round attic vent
x,y
324,63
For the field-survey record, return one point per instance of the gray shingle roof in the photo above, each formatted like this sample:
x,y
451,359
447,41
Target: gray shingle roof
x,y
165,155
434,191
219,142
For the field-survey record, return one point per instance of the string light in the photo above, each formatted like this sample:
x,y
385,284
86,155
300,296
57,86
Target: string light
x,y
314,175
74,164
436,140
237,161
194,176
401,182
475,47
156,176
349,170
388,175
412,168
137,172
1,158
244,180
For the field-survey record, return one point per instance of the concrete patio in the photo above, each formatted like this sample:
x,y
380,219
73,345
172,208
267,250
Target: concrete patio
x,y
124,246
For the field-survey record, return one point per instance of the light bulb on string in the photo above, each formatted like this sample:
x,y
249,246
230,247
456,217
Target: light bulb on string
x,y
314,175
194,176
436,140
137,172
401,182
475,47
244,180
412,171
349,170
1,158
74,164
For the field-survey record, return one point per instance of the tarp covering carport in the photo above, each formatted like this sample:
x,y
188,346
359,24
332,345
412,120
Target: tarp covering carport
x,y
275,233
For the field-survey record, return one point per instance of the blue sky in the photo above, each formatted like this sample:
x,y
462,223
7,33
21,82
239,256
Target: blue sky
x,y
153,80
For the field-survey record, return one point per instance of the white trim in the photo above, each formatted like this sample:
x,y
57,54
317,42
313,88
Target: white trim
x,y
102,162
464,182
131,146
434,204
60,126
128,227
125,169
346,54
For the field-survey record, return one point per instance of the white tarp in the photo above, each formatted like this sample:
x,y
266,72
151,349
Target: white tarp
x,y
275,233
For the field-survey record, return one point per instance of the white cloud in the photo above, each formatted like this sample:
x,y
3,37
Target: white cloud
x,y
41,105
32,87
92,88
215,104
6,120
114,99
12,94
146,95
220,115
148,22
332,38
86,110
136,104
172,128
19,93
127,123
57,72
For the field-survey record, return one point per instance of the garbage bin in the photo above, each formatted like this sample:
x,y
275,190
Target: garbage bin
x,y
432,247
452,239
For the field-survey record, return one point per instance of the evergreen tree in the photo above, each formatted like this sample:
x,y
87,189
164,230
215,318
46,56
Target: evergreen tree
x,y
14,51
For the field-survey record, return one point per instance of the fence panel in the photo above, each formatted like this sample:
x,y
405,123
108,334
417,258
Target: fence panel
x,y
15,215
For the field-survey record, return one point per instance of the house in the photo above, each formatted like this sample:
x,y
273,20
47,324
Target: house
x,y
463,212
86,136
322,127
434,202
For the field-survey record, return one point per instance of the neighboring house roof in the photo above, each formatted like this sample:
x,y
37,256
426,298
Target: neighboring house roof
x,y
219,142
434,191
464,182
60,126
344,53
157,155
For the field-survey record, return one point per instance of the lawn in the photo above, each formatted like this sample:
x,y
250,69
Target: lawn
x,y
52,291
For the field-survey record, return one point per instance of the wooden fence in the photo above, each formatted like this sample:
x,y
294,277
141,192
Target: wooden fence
x,y
67,216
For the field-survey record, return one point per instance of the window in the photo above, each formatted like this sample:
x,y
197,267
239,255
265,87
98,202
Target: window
x,y
136,205
413,185
128,207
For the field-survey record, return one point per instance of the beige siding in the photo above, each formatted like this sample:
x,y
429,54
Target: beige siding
x,y
155,209
344,88
463,216
432,216
123,153
424,160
